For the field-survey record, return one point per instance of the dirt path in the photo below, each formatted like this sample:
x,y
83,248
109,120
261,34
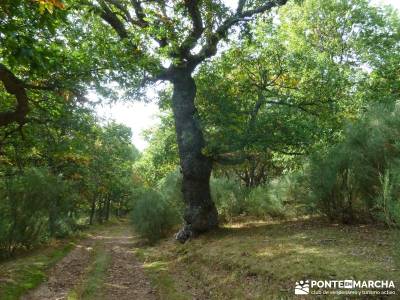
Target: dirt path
x,y
123,279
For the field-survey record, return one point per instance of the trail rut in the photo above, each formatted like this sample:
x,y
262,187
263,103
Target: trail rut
x,y
123,279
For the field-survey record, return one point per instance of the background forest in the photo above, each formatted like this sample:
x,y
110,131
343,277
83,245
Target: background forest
x,y
299,110
300,116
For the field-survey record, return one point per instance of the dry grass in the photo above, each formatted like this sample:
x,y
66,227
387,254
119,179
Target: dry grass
x,y
262,260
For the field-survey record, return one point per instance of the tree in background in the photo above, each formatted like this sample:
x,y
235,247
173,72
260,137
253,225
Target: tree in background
x,y
110,171
59,168
287,90
39,60
282,91
292,84
289,87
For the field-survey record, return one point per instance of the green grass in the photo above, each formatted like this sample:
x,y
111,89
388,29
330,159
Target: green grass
x,y
90,288
27,272
263,260
29,269
160,277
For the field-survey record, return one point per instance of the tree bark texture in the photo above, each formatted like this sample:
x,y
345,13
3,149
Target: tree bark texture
x,y
200,213
15,87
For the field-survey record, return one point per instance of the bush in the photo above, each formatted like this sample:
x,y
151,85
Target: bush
x,y
356,180
292,191
152,215
388,198
33,207
23,212
228,197
282,197
265,202
170,187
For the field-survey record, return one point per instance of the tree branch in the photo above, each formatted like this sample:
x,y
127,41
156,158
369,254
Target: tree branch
x,y
210,48
194,12
263,8
297,106
240,6
230,158
111,18
140,20
253,115
122,8
16,87
137,6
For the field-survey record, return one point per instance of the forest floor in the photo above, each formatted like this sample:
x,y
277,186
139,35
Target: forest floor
x,y
242,260
263,260
100,266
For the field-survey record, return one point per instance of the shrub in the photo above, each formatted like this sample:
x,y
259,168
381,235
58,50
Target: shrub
x,y
278,199
356,181
293,191
33,207
228,197
264,202
170,187
152,215
388,198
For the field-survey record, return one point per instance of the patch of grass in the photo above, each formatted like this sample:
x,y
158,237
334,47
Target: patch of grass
x,y
29,269
27,272
160,277
94,229
264,260
91,287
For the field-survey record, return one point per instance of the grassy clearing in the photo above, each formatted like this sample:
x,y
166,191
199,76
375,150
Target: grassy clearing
x,y
90,288
27,272
262,260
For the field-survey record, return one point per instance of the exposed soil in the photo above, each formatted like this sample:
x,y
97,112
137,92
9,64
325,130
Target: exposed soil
x,y
64,275
124,278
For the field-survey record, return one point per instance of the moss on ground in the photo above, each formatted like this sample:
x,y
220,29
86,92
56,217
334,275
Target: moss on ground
x,y
27,272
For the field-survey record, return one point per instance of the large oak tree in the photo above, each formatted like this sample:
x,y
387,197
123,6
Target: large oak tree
x,y
168,40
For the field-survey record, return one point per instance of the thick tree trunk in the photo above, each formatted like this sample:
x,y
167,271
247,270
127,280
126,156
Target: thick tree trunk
x,y
200,214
